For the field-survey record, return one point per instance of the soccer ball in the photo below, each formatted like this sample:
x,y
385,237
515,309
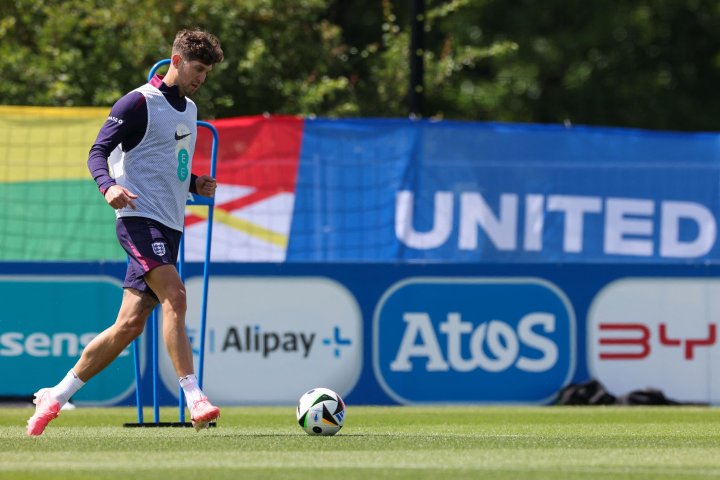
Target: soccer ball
x,y
321,411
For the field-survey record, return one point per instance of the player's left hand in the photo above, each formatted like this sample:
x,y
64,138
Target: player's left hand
x,y
206,185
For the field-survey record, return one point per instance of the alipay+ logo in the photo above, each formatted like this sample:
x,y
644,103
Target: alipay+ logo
x,y
256,340
337,342
474,340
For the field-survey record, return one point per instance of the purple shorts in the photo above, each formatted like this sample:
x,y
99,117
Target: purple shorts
x,y
148,244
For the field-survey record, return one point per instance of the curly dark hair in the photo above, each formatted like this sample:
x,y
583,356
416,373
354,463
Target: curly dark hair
x,y
198,45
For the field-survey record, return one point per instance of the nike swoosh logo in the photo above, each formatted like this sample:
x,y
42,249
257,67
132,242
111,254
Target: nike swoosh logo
x,y
180,137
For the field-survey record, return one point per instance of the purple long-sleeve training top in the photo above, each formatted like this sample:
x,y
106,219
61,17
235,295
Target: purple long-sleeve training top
x,y
126,125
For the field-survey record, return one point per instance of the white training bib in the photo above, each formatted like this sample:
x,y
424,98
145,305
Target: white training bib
x,y
158,169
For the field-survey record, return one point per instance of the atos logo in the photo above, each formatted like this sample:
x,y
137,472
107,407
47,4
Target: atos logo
x,y
500,340
474,340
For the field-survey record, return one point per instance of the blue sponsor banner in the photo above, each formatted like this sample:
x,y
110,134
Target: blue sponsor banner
x,y
530,346
474,340
349,174
389,190
43,331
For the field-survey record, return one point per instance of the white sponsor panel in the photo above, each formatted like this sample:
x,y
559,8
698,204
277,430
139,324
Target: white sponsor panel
x,y
659,333
270,339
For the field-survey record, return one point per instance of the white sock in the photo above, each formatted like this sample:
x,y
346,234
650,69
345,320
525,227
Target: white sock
x,y
67,387
191,389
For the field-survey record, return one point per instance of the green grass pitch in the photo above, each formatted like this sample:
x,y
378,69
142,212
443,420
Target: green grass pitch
x,y
376,442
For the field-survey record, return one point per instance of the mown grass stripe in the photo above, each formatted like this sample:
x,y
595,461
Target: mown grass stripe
x,y
378,442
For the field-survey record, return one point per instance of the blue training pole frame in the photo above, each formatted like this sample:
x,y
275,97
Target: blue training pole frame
x,y
136,360
151,73
210,203
193,200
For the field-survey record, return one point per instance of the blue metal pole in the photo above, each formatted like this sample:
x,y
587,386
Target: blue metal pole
x,y
157,65
155,379
181,271
208,243
138,374
138,395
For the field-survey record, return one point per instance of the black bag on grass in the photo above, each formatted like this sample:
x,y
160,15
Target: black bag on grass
x,y
649,396
591,392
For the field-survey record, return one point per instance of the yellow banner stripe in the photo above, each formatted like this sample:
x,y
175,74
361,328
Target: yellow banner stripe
x,y
226,218
47,143
54,112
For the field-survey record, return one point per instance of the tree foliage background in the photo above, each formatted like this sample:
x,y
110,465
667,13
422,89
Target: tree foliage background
x,y
647,63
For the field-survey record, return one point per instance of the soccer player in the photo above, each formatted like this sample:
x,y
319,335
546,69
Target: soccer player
x,y
149,140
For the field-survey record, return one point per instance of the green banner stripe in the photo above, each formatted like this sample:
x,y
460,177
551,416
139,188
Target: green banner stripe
x,y
56,221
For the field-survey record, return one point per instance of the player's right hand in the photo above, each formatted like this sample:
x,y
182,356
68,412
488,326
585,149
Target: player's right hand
x,y
120,197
